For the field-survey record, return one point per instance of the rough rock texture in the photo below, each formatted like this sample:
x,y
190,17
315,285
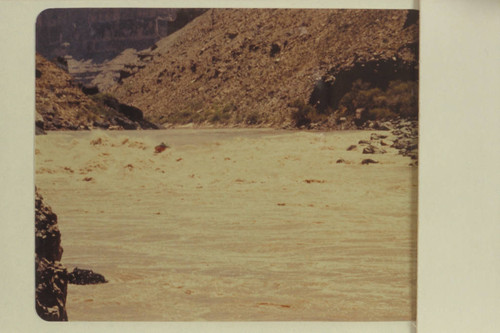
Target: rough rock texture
x,y
369,161
89,37
62,104
102,33
39,124
247,65
51,277
371,149
59,100
85,276
405,139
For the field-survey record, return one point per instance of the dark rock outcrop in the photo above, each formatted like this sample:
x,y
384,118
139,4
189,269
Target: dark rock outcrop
x,y
39,124
62,63
125,123
404,139
130,112
90,90
406,132
122,115
51,277
85,276
375,136
371,149
369,161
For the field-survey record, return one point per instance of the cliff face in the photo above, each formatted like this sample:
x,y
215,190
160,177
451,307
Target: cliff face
x,y
51,277
246,66
101,34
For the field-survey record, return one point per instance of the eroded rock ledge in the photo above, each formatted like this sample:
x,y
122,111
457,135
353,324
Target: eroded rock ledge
x,y
51,277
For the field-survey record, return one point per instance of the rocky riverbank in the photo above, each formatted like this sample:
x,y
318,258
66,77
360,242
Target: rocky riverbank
x,y
402,134
51,276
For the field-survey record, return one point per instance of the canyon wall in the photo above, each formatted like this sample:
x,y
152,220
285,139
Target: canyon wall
x,y
87,41
103,33
250,66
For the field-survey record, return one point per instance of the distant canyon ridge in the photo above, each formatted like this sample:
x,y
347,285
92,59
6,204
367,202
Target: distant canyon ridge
x,y
313,68
86,39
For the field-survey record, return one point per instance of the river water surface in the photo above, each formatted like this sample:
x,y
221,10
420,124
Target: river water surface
x,y
232,225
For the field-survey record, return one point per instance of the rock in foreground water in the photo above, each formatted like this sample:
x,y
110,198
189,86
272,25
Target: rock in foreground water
x,y
51,277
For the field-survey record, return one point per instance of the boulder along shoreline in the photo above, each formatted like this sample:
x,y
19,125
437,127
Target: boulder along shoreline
x,y
51,275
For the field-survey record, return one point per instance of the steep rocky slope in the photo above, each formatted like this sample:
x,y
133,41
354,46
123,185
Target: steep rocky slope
x,y
254,66
89,37
61,104
51,276
59,100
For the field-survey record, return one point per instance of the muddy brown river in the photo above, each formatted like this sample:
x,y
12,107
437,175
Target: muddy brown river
x,y
232,225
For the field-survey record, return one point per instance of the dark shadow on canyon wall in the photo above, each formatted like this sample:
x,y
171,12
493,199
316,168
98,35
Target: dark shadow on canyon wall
x,y
103,33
